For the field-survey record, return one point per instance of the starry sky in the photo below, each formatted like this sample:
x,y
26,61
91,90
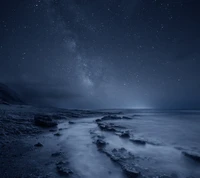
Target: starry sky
x,y
102,53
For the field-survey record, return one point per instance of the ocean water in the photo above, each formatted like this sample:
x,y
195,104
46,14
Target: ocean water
x,y
167,135
176,128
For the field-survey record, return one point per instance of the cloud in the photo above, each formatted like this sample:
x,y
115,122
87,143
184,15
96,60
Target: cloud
x,y
42,94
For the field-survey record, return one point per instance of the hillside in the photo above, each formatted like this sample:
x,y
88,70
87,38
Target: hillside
x,y
8,95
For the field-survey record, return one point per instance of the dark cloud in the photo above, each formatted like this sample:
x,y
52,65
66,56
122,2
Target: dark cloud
x,y
43,94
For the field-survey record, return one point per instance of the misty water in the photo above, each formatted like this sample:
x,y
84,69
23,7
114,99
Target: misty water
x,y
84,157
166,135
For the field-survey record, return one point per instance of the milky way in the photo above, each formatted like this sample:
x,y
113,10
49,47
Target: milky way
x,y
102,54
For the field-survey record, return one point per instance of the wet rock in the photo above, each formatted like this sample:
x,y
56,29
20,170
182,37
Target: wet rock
x,y
100,136
193,156
73,114
110,117
107,127
165,176
136,115
125,117
56,154
119,155
125,134
96,136
173,175
139,142
52,130
100,143
71,122
57,134
98,120
130,171
125,159
122,154
119,126
57,117
38,144
112,128
62,163
62,169
44,121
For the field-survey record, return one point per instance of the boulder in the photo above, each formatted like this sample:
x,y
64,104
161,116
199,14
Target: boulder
x,y
38,144
125,134
125,117
125,159
44,121
98,120
62,169
57,134
71,122
140,142
130,171
100,143
107,127
110,117
193,156
56,154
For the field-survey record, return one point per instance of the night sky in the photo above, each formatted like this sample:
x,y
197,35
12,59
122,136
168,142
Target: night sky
x,y
102,53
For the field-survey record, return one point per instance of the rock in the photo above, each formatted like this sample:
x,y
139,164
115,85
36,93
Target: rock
x,y
98,120
193,156
125,117
136,115
112,128
107,127
122,154
125,134
140,142
44,121
100,136
56,117
62,169
119,155
110,117
100,143
62,163
52,130
71,122
130,171
125,159
56,154
57,134
38,144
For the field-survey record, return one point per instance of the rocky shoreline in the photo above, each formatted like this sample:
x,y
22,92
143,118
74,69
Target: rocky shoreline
x,y
36,143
